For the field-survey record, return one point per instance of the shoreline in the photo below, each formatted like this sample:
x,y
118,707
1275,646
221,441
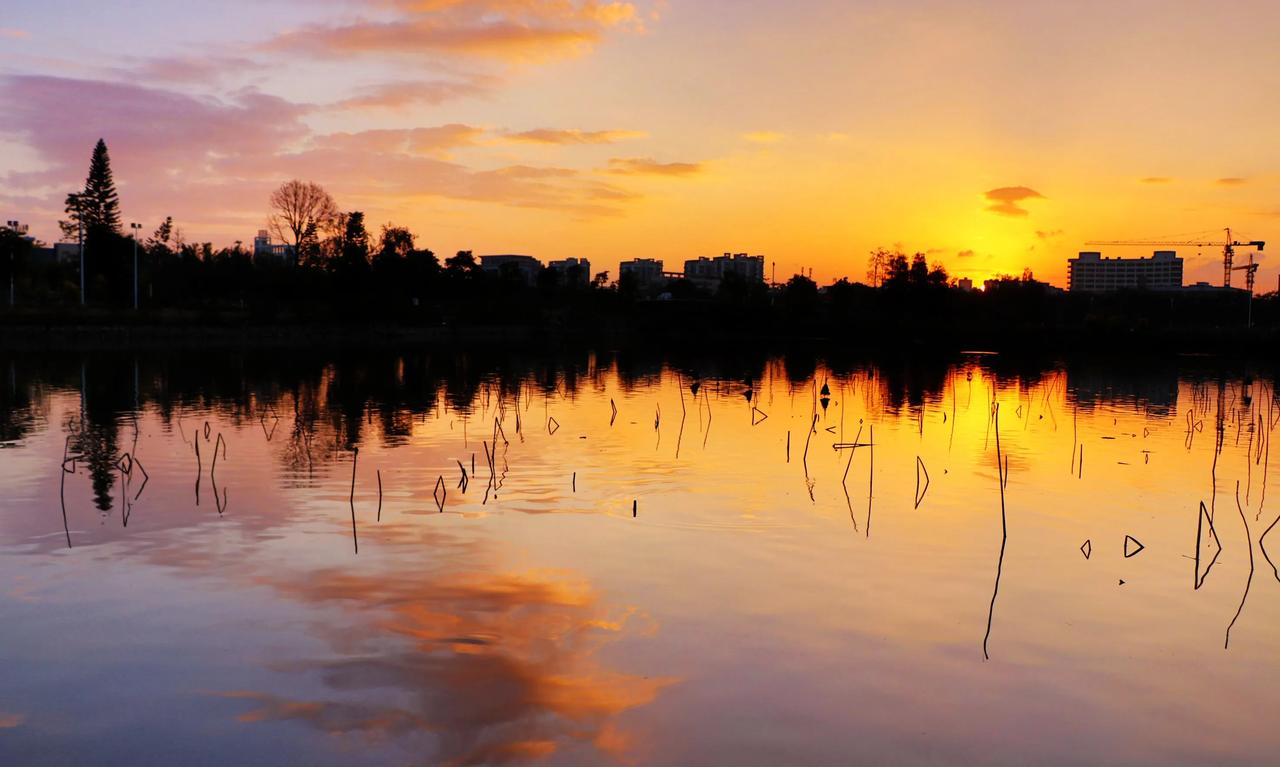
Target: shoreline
x,y
106,336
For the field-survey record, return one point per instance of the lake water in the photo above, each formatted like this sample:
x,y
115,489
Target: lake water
x,y
587,558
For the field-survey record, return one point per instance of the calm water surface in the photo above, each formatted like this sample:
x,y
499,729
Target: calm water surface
x,y
585,559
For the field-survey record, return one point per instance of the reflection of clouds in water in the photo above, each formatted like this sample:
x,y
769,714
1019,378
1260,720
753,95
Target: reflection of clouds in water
x,y
493,667
9,721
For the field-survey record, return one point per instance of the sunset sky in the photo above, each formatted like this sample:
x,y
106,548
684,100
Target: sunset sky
x,y
991,135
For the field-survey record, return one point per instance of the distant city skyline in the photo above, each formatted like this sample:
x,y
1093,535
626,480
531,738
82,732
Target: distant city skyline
x,y
989,137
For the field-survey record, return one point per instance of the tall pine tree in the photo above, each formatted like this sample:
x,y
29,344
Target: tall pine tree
x,y
99,207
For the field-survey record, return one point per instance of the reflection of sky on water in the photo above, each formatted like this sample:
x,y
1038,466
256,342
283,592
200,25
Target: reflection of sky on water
x,y
744,615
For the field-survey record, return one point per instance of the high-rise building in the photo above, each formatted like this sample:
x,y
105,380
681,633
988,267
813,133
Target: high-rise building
x,y
578,268
644,272
526,267
708,272
1089,272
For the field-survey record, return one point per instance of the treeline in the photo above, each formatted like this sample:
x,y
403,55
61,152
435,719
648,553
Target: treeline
x,y
332,270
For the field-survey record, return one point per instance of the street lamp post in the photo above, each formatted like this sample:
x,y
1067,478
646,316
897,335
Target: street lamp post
x,y
18,230
75,202
135,228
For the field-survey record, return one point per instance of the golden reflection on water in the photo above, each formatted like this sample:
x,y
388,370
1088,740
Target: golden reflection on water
x,y
808,561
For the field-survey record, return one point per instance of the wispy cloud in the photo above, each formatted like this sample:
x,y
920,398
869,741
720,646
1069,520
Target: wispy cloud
x,y
162,130
193,70
1232,181
13,33
404,95
1155,180
414,141
763,137
1005,200
1048,234
503,29
644,166
573,136
214,161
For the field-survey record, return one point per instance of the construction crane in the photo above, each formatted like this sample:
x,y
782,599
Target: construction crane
x,y
1228,254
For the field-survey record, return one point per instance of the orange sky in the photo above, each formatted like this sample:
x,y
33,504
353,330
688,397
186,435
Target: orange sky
x,y
993,136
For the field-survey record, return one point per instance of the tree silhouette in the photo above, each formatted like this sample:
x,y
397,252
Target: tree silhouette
x,y
99,204
162,233
461,265
70,226
299,211
878,266
396,242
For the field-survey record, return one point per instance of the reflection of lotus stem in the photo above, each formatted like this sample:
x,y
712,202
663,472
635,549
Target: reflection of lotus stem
x,y
223,443
871,474
807,437
1001,474
199,470
1249,541
62,487
355,456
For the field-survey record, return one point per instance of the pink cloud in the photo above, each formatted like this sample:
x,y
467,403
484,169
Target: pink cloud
x,y
211,163
487,39
550,136
503,29
644,166
402,95
201,70
413,141
152,133
14,34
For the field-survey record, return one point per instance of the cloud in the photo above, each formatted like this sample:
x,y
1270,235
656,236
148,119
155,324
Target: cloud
x,y
442,646
965,254
436,140
1049,234
402,95
1006,200
550,136
215,161
643,166
1155,180
1232,181
763,137
502,29
12,33
161,131
198,70
411,141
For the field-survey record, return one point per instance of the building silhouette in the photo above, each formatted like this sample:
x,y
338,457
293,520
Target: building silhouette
x,y
1089,272
565,267
265,249
527,268
708,272
643,272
